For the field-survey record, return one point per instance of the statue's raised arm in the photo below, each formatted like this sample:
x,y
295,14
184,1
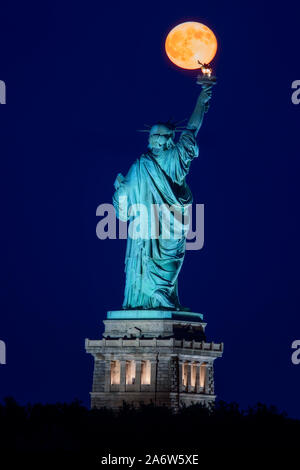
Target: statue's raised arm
x,y
201,108
175,158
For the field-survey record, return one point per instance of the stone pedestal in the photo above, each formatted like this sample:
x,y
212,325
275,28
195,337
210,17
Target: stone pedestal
x,y
159,357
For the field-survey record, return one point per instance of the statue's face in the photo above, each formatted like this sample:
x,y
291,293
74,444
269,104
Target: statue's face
x,y
159,137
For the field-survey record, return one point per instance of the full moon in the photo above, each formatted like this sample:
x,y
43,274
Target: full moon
x,y
189,42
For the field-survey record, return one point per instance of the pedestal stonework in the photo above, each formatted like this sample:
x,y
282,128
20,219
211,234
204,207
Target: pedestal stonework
x,y
158,357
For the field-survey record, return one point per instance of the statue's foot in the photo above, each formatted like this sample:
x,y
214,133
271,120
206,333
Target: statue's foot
x,y
180,308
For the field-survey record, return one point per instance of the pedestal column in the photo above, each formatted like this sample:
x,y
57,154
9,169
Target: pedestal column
x,y
189,377
153,375
181,386
206,380
137,384
197,382
107,375
122,376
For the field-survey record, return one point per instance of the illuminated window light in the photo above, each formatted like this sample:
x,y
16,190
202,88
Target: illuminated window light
x,y
202,374
115,372
185,374
193,374
130,372
145,373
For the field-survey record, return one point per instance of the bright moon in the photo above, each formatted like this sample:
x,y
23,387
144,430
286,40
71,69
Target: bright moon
x,y
189,42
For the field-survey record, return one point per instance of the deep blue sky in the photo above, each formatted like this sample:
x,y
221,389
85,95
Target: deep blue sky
x,y
81,78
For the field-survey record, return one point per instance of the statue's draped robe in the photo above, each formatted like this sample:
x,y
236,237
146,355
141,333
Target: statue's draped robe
x,y
154,259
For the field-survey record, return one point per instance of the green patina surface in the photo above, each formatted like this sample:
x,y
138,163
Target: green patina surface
x,y
157,179
152,314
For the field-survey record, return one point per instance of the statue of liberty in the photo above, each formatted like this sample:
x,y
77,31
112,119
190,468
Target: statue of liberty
x,y
157,179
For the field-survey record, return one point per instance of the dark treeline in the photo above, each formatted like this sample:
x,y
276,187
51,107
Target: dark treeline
x,y
70,429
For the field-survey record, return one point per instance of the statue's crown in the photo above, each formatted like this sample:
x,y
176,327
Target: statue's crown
x,y
170,124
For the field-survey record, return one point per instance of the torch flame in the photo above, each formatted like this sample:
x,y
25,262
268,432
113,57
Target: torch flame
x,y
206,71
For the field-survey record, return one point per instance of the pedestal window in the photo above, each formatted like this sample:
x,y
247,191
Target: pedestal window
x,y
185,372
202,374
115,372
130,372
193,374
145,372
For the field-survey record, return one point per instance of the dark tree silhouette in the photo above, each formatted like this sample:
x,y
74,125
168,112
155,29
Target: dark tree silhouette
x,y
71,430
